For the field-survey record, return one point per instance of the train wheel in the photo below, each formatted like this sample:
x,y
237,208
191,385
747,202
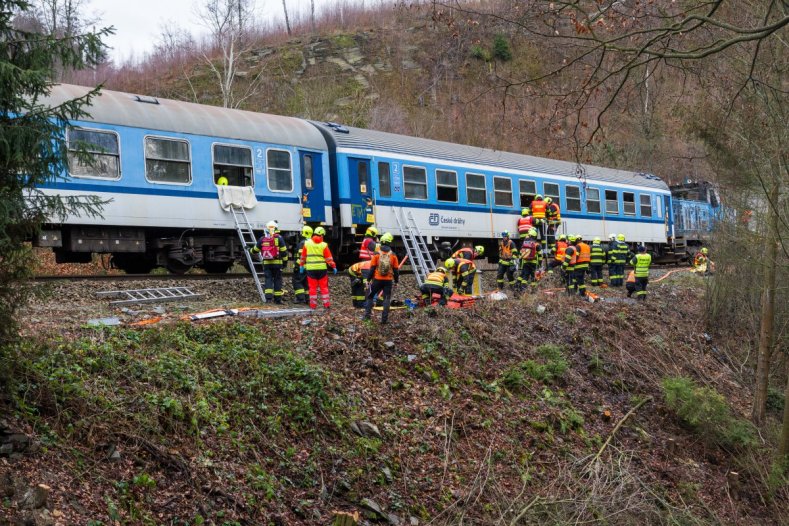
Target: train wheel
x,y
177,267
217,267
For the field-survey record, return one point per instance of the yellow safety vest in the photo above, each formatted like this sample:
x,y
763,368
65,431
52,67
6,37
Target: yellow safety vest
x,y
315,259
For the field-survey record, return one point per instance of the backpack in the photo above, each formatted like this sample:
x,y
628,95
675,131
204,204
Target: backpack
x,y
506,250
269,248
384,267
528,250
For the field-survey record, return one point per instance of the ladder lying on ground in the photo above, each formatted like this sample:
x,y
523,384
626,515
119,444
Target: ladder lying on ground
x,y
148,295
247,237
415,245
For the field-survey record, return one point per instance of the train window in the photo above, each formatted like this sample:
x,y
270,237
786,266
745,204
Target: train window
x,y
415,182
361,170
573,195
611,202
551,190
93,153
502,191
167,161
592,201
308,171
384,180
279,174
646,205
629,200
447,186
234,163
528,189
476,193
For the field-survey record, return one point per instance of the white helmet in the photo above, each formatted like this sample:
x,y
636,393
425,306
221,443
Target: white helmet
x,y
271,224
611,236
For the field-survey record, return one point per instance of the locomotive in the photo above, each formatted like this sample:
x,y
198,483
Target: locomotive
x,y
157,165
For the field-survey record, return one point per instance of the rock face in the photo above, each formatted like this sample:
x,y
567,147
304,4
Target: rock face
x,y
12,442
35,498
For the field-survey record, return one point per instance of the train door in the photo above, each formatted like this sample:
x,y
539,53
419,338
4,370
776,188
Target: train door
x,y
360,190
667,215
312,202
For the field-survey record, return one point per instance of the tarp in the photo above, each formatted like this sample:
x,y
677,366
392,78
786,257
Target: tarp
x,y
239,196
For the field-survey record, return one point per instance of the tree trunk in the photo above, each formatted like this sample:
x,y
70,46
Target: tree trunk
x,y
312,14
767,325
783,450
287,20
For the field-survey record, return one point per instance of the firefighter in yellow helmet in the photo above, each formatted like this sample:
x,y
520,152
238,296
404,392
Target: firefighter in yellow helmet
x,y
299,279
436,283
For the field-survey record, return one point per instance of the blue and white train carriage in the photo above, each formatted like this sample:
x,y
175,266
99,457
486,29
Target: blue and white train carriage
x,y
157,163
473,194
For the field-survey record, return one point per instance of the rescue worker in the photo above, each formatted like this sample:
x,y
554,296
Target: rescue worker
x,y
508,257
463,271
630,284
553,217
299,279
582,259
568,265
525,223
273,252
558,253
596,263
315,261
360,276
469,253
701,262
369,245
608,251
530,260
385,270
538,211
641,263
436,283
617,256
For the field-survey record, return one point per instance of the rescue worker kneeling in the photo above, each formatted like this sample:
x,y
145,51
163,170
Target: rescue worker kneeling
x,y
464,271
384,268
360,275
436,283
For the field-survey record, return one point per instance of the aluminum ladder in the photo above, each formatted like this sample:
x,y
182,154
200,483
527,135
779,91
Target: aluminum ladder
x,y
148,295
415,245
248,240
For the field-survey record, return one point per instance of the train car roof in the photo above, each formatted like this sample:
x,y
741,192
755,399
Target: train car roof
x,y
153,113
358,138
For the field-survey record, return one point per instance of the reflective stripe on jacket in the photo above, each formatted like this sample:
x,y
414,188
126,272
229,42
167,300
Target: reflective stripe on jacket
x,y
524,224
598,255
538,209
439,279
584,253
464,253
570,257
367,249
316,254
359,270
561,246
553,212
641,262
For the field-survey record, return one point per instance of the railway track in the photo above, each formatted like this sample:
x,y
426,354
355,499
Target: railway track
x,y
215,277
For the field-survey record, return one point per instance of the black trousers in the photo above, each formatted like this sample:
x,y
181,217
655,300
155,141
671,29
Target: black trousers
x,y
641,288
378,286
528,273
596,274
576,281
509,271
299,282
273,288
358,292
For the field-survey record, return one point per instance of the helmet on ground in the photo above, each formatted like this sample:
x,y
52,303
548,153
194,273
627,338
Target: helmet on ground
x,y
620,237
538,197
386,238
320,231
596,240
372,231
562,238
271,224
306,231
450,263
506,233
642,248
704,250
571,238
441,269
533,232
479,250
525,211
548,200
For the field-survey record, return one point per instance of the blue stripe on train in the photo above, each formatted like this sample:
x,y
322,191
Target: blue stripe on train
x,y
462,208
